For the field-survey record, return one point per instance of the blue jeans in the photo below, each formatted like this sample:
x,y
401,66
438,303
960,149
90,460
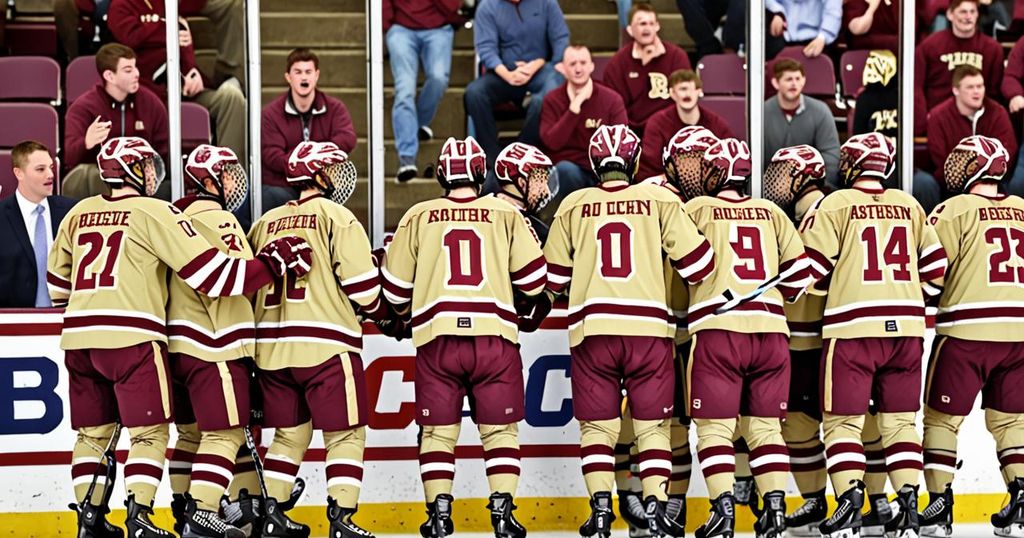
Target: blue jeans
x,y
927,190
571,177
407,49
489,90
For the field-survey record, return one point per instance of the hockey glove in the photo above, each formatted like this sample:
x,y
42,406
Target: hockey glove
x,y
396,326
288,253
539,309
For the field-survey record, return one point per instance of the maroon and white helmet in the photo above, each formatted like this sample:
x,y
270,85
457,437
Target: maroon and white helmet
x,y
527,174
462,163
614,148
975,158
682,157
221,167
131,161
791,171
868,155
326,166
726,164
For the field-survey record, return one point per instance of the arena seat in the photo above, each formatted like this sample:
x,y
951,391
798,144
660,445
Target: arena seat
x,y
38,79
28,121
732,109
851,71
723,74
81,77
8,183
600,62
31,38
195,127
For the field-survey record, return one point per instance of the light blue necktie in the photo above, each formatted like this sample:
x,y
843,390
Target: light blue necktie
x,y
42,296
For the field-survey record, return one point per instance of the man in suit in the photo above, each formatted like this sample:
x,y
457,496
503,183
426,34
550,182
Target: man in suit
x,y
31,217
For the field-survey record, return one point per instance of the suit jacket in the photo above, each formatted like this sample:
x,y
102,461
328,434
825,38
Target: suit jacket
x,y
17,259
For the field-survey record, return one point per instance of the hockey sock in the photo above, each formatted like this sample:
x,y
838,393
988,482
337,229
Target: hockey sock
x,y
1008,431
623,454
940,432
597,439
345,465
716,453
682,459
903,457
87,461
145,466
874,453
213,466
501,456
245,473
654,450
769,460
843,449
437,459
283,458
802,434
179,466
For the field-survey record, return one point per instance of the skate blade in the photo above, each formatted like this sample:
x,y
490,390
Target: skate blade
x,y
905,533
804,531
936,531
1013,531
874,531
843,533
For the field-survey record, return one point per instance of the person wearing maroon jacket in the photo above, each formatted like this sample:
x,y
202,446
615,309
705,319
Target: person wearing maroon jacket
x,y
570,115
301,114
639,71
116,107
1013,92
685,88
940,53
872,24
139,24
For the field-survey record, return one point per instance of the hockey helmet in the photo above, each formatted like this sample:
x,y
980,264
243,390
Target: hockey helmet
x,y
791,172
325,165
526,174
975,158
682,159
131,161
614,152
221,167
462,163
726,164
868,155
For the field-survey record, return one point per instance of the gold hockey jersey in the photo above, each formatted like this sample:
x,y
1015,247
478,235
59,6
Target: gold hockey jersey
x,y
804,320
983,298
878,259
109,264
304,322
211,329
607,245
753,241
457,260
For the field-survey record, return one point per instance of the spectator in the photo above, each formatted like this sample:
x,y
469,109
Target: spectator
x,y
814,24
701,18
942,52
33,217
301,114
878,103
685,87
572,112
872,24
418,29
117,106
519,42
792,118
969,112
67,15
639,72
1013,92
139,24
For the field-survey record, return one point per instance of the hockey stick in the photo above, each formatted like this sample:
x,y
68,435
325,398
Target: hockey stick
x,y
109,459
732,301
257,463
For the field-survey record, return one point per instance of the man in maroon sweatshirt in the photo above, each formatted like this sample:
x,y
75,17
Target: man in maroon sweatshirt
x,y
872,24
302,114
116,107
685,88
639,71
942,52
139,24
570,115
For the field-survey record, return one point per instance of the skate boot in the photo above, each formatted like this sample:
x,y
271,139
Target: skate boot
x,y
658,521
342,525
243,512
722,518
632,510
92,522
277,524
1010,520
937,518
675,509
601,516
439,518
805,520
905,523
504,523
298,488
178,503
772,522
744,491
845,522
882,512
138,523
206,523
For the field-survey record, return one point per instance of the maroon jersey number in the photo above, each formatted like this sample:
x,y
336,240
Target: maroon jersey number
x,y
615,240
101,252
465,257
1010,244
285,286
749,251
895,254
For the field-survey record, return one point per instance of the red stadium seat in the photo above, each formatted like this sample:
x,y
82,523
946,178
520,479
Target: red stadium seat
x,y
81,77
821,73
28,121
31,38
195,127
723,74
8,183
600,62
732,109
851,71
37,78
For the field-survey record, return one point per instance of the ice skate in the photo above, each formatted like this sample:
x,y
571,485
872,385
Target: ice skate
x,y
845,522
439,518
1010,520
206,523
243,512
937,519
658,521
601,516
722,519
905,523
138,523
502,519
772,521
804,521
342,525
92,522
277,524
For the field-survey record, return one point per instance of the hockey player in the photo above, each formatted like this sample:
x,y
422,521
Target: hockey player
x,y
979,342
309,340
875,254
109,265
609,241
527,180
739,361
